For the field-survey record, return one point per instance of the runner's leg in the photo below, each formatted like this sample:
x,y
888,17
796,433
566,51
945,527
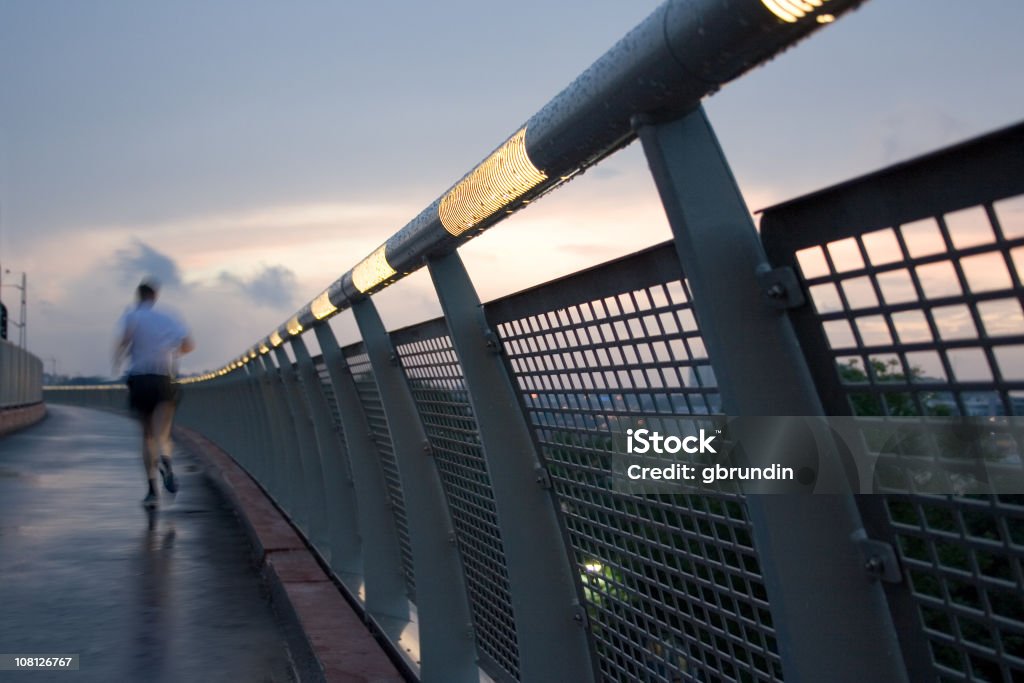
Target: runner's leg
x,y
149,456
163,419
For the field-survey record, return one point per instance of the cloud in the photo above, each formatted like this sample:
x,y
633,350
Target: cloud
x,y
141,260
273,286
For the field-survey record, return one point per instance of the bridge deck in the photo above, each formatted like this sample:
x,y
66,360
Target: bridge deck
x,y
84,569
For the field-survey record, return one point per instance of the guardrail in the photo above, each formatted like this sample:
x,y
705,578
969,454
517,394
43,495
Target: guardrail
x,y
455,475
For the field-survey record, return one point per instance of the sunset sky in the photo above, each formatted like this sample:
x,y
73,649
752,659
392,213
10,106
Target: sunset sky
x,y
248,153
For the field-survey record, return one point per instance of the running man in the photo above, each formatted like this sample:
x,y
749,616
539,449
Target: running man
x,y
153,338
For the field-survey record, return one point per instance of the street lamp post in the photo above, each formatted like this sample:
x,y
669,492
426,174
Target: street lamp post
x,y
22,324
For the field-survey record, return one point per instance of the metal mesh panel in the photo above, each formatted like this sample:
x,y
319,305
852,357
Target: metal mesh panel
x,y
369,395
963,557
672,583
436,381
913,276
925,318
327,387
328,391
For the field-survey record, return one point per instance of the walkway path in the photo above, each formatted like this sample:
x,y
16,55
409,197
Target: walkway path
x,y
170,596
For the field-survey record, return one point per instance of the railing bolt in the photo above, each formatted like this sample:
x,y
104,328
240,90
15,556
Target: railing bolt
x,y
776,291
874,566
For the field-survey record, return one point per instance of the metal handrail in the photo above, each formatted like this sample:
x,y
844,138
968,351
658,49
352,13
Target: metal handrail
x,y
683,51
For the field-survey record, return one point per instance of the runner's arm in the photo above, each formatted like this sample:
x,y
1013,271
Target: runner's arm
x,y
121,348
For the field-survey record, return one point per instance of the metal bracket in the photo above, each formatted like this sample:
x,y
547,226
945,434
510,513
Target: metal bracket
x,y
579,615
879,558
393,359
543,478
780,287
492,342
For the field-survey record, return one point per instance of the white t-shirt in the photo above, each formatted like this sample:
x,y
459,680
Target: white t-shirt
x,y
155,335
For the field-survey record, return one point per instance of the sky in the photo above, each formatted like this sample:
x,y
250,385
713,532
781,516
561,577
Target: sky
x,y
249,153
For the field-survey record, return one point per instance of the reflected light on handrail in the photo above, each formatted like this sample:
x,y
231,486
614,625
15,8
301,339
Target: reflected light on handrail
x,y
499,180
792,10
322,306
372,270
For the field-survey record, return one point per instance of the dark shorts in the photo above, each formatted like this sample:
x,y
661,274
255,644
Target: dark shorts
x,y
146,392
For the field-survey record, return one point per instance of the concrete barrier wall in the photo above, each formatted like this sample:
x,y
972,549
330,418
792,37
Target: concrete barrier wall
x,y
21,388
21,377
108,397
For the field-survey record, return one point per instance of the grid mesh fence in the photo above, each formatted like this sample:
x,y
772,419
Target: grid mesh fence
x,y
925,319
913,278
672,583
369,396
435,378
328,391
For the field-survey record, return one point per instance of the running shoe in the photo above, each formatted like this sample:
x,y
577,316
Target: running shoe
x,y
170,482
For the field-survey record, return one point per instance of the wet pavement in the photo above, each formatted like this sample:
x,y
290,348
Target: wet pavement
x,y
84,569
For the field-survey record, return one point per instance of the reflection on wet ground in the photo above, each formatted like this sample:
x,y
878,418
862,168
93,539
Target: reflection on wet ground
x,y
163,596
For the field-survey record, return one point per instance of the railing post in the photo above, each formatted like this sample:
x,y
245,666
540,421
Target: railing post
x,y
448,649
553,641
306,449
831,618
257,438
252,425
382,559
289,466
337,484
276,481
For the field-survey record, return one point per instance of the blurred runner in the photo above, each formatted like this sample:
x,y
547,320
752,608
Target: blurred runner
x,y
153,338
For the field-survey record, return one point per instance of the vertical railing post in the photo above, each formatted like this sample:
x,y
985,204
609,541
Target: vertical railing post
x,y
263,438
553,642
289,465
339,500
254,442
277,482
248,424
831,617
382,559
226,417
306,450
243,450
448,649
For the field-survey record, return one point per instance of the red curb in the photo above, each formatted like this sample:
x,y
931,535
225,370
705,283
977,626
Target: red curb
x,y
294,566
343,648
14,419
322,614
